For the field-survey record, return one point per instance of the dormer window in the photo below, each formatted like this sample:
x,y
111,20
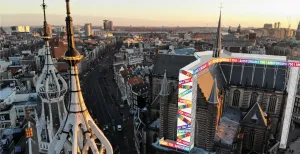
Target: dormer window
x,y
254,118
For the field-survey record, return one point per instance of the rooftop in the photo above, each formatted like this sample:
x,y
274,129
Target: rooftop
x,y
5,92
172,63
140,88
135,80
228,126
155,124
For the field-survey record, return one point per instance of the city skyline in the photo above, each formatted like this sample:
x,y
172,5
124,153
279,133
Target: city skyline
x,y
191,13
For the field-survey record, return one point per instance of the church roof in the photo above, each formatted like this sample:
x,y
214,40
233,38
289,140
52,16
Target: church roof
x,y
255,73
257,114
172,63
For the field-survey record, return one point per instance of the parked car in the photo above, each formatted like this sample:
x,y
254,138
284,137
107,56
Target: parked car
x,y
119,128
105,128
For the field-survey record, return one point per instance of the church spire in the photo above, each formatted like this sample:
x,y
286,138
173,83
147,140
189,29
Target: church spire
x,y
78,125
72,56
164,90
46,38
217,50
51,88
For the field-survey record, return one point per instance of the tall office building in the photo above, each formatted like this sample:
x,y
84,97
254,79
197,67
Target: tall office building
x,y
88,29
107,25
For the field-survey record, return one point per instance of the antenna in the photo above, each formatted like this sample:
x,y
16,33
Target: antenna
x,y
221,6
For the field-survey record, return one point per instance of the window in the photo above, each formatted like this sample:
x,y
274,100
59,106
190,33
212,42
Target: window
x,y
236,98
253,98
272,104
251,139
2,118
297,106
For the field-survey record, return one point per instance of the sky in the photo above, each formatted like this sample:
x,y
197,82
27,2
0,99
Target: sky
x,y
248,13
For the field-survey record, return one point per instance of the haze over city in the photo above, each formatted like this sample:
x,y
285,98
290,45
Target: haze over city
x,y
155,12
149,77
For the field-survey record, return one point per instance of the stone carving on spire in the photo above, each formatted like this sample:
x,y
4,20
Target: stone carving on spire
x,y
78,130
164,90
51,88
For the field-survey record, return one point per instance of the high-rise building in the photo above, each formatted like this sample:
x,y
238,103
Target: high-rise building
x,y
78,132
298,32
107,25
88,29
20,29
268,26
239,29
51,88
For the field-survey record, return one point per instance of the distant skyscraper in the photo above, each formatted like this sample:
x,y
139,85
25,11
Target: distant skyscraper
x,y
88,29
268,26
20,29
298,31
107,25
239,29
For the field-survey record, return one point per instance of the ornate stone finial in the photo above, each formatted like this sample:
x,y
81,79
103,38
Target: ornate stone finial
x,y
78,123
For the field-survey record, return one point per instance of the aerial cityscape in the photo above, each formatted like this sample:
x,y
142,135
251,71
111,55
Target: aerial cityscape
x,y
142,86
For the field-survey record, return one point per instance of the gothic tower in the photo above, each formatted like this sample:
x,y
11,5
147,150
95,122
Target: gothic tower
x,y
78,132
51,88
163,102
218,45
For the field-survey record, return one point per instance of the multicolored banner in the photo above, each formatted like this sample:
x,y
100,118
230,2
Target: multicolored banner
x,y
246,61
186,99
174,145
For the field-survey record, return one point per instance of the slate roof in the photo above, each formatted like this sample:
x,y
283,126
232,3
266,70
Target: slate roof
x,y
257,112
171,63
228,126
185,51
258,75
135,80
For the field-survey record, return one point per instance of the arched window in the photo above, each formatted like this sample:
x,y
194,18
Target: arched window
x,y
236,98
272,103
253,98
251,139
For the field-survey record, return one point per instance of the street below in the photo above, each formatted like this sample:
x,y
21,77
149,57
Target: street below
x,y
103,100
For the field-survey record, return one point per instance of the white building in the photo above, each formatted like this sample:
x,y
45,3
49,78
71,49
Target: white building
x,y
4,64
13,103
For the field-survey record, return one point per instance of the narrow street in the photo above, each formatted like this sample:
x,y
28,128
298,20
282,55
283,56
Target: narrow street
x,y
102,99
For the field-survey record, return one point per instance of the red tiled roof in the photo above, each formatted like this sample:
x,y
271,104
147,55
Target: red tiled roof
x,y
135,80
